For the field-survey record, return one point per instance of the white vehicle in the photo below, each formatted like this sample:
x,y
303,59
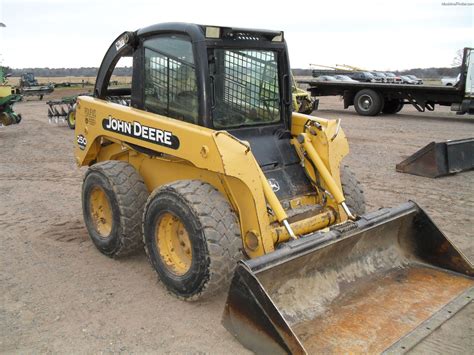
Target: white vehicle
x,y
450,81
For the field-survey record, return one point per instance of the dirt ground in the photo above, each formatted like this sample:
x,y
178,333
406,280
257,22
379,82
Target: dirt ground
x,y
59,294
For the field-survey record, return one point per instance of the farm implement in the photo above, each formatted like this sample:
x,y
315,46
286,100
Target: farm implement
x,y
29,86
62,110
7,115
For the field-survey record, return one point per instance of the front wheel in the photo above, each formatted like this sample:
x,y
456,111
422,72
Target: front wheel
x,y
368,102
192,238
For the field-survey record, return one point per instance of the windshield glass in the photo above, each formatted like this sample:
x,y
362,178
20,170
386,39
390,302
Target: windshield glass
x,y
245,87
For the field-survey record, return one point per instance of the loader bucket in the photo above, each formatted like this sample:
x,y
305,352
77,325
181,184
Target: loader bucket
x,y
439,159
373,285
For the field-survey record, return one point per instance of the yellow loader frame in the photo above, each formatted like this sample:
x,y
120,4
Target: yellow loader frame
x,y
219,159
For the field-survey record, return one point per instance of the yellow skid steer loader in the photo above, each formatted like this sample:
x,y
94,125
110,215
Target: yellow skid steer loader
x,y
202,160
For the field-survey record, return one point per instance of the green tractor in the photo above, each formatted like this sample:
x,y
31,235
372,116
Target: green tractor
x,y
302,100
7,100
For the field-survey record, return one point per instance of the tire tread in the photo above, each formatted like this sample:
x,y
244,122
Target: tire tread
x,y
131,194
220,229
353,192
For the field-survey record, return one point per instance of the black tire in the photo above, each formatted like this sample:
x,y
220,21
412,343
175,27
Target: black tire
x,y
71,119
392,106
126,194
399,107
306,107
353,192
213,232
18,118
5,119
368,102
41,97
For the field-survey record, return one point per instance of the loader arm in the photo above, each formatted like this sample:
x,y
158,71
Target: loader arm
x,y
327,140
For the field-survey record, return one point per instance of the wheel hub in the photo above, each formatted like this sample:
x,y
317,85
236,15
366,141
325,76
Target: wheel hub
x,y
72,118
365,102
174,244
101,212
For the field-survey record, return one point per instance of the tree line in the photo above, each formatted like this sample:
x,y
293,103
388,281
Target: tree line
x,y
59,72
428,73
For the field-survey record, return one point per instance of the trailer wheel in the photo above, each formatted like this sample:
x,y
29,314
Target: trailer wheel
x,y
192,238
41,97
353,192
368,102
113,199
392,106
71,119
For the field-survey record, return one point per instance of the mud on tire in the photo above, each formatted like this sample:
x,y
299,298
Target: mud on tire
x,y
126,194
213,232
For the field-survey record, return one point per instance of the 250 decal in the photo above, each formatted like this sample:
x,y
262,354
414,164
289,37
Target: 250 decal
x,y
81,142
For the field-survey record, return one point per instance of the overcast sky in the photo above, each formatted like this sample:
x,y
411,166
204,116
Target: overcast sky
x,y
384,35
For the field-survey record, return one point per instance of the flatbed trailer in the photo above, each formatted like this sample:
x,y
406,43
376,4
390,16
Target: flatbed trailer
x,y
39,90
370,99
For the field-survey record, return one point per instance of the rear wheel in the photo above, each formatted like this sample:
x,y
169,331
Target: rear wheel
x,y
392,106
71,119
5,119
192,238
113,199
368,102
353,192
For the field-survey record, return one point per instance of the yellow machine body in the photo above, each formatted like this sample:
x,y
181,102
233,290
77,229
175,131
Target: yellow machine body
x,y
215,157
